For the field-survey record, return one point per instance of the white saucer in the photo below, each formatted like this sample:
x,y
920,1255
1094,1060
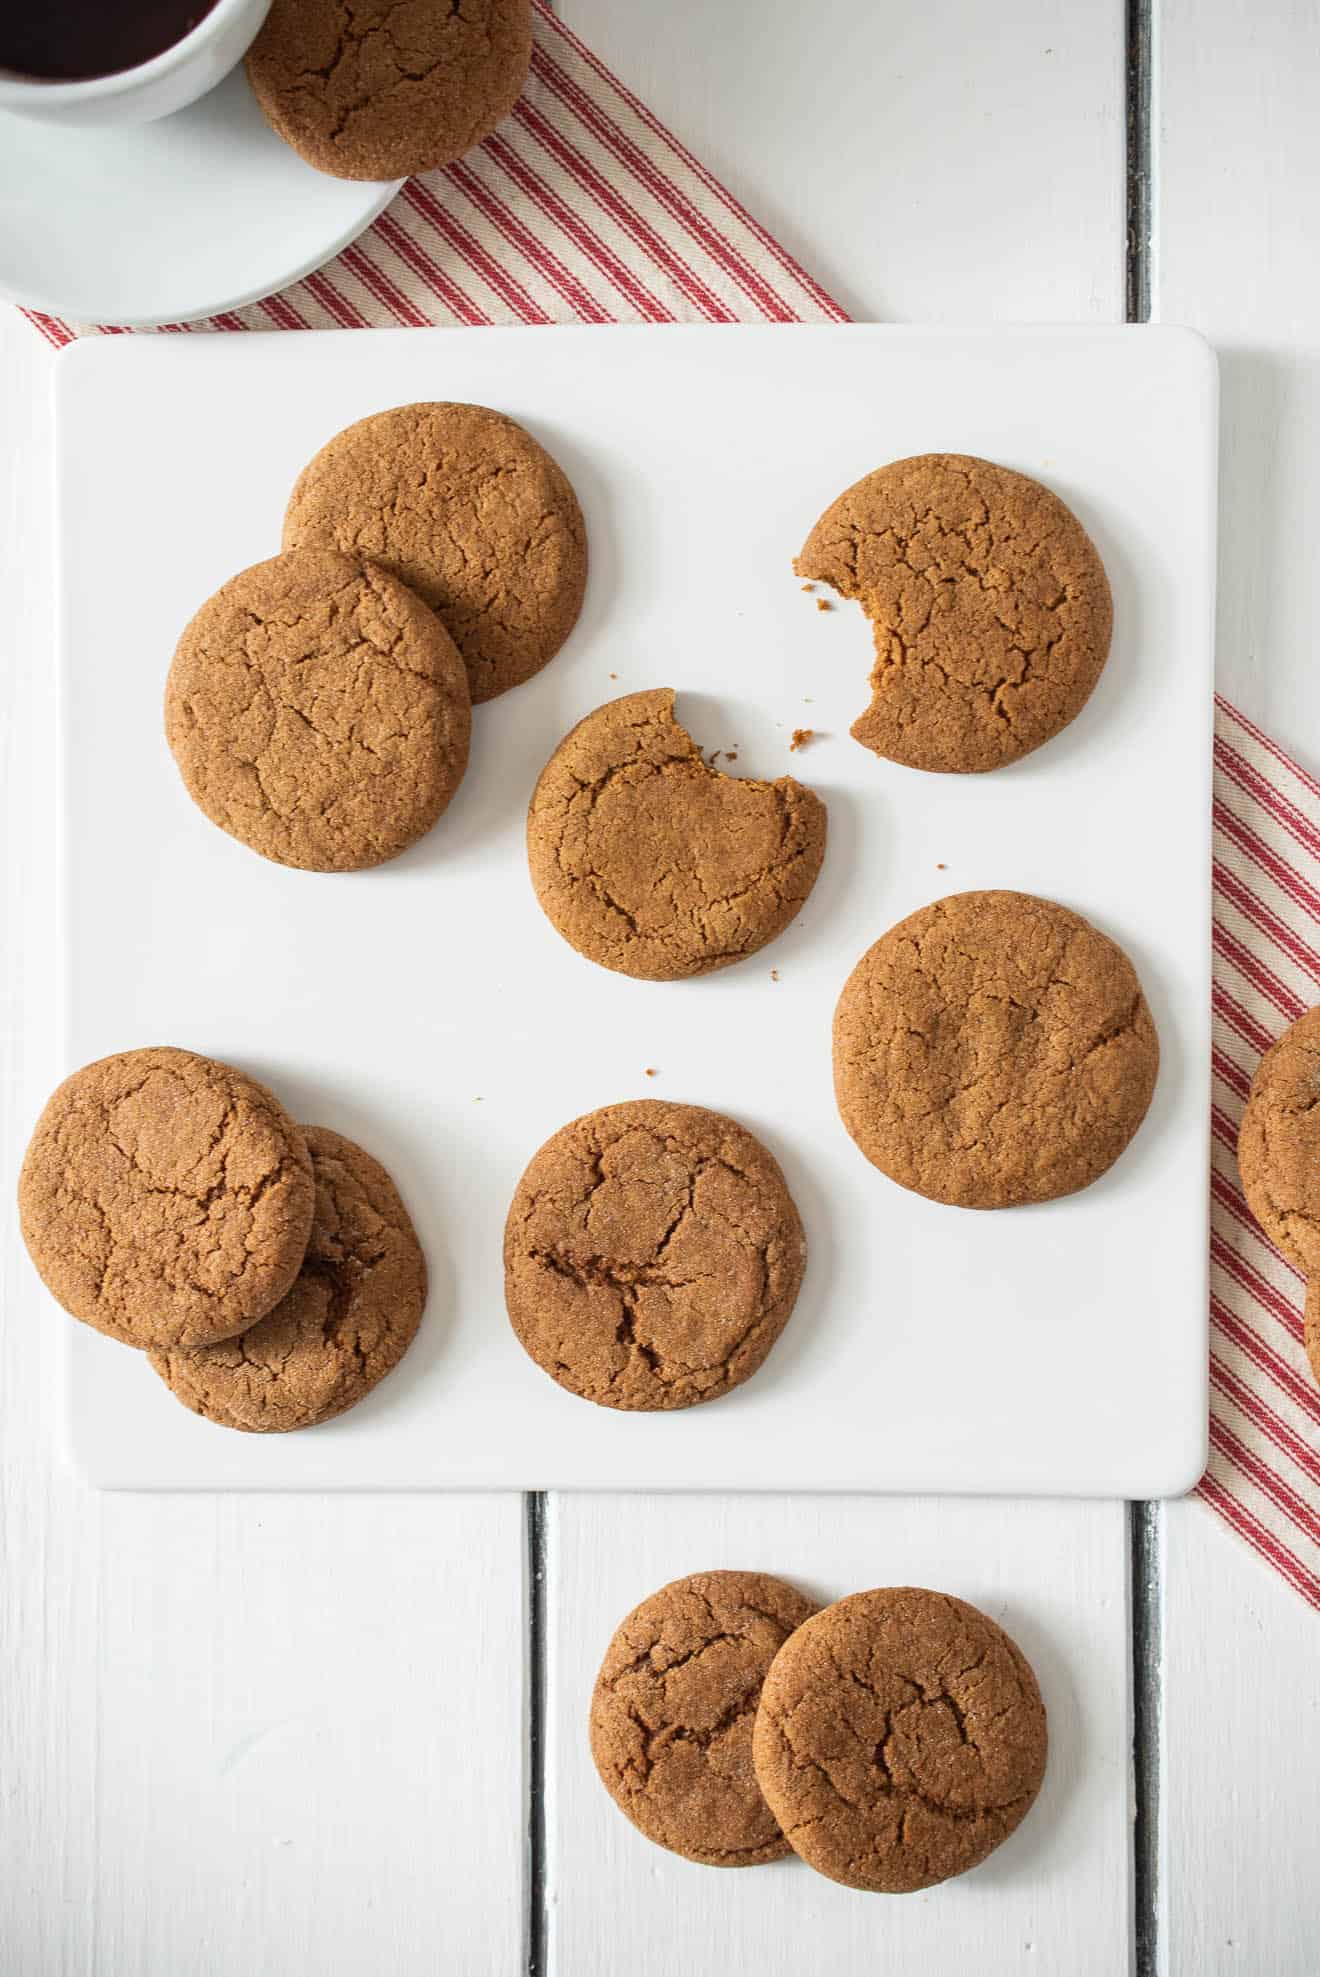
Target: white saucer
x,y
167,222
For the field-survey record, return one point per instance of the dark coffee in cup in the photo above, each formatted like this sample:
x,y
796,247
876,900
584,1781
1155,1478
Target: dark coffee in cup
x,y
75,40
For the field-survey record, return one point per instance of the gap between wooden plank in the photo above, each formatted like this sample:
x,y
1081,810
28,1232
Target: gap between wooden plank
x,y
537,1546
1145,1519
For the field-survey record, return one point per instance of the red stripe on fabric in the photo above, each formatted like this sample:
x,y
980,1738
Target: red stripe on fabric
x,y
281,312
1231,1074
626,217
50,327
229,321
510,227
1270,1424
1229,887
1234,1203
1302,1392
1263,855
1257,972
1223,1129
663,190
589,243
791,267
1259,1537
1239,1018
1253,784
501,280
1235,1265
344,312
373,277
1267,1480
1270,747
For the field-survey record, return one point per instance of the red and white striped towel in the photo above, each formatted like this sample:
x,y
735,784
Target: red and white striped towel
x,y
583,208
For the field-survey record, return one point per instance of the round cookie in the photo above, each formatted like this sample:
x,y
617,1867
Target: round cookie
x,y
463,506
1311,1333
673,1709
1279,1143
652,1255
387,88
991,1049
989,604
652,863
900,1738
346,1323
318,712
166,1199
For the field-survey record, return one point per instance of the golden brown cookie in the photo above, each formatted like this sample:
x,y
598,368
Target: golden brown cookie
x,y
347,1322
1311,1333
1279,1143
318,712
655,864
673,1708
991,1049
165,1198
900,1738
463,506
381,89
989,604
652,1255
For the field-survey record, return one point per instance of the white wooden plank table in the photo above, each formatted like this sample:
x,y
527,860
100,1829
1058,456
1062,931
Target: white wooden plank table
x,y
290,1735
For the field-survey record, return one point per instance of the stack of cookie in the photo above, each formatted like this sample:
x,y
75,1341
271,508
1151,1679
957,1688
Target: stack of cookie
x,y
319,704
891,1740
270,1271
1279,1158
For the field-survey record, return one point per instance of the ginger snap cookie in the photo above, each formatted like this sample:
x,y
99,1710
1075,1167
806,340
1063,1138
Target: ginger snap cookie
x,y
347,1322
650,861
165,1198
988,601
900,1738
318,712
673,1708
462,505
1279,1143
991,1049
652,1255
386,88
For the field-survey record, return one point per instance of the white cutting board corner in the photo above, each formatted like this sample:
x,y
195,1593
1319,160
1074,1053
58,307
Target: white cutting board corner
x,y
428,1009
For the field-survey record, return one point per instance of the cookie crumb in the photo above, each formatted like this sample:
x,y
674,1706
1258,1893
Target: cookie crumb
x,y
774,974
823,604
650,1070
731,755
614,676
941,868
808,586
801,736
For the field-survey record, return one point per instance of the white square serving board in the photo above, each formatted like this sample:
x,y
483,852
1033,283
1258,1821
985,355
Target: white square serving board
x,y
428,1009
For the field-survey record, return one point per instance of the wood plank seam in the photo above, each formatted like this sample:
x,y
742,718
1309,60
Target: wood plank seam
x,y
537,1595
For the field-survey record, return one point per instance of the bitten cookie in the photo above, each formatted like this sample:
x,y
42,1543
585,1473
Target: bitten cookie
x,y
462,505
1279,1143
318,712
387,88
900,1738
652,1255
989,604
652,863
347,1322
166,1199
673,1708
991,1049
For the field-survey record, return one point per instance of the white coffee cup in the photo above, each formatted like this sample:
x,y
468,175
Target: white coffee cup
x,y
153,89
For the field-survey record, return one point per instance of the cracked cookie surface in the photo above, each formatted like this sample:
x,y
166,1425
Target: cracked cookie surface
x,y
318,712
650,862
1279,1143
900,1738
992,1049
166,1199
381,89
673,1708
652,1255
988,601
462,505
347,1322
